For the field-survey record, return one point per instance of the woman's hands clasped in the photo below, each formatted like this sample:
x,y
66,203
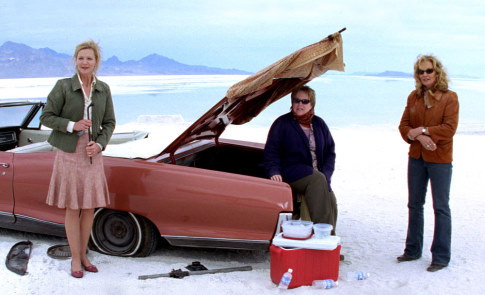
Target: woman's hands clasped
x,y
425,140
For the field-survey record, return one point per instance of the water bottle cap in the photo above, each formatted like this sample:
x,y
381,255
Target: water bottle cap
x,y
290,270
336,283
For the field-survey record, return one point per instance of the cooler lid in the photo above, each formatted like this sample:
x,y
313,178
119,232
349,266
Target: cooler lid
x,y
327,243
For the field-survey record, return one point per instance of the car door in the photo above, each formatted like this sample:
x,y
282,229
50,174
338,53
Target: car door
x,y
6,194
31,184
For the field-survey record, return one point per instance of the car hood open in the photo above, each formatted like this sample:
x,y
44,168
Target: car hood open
x,y
249,97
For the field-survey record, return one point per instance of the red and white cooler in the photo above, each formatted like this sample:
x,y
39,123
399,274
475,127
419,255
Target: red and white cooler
x,y
311,259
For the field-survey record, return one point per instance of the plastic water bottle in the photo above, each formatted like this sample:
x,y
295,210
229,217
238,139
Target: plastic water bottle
x,y
357,276
324,284
285,279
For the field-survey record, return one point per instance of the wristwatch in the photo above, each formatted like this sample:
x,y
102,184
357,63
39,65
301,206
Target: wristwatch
x,y
423,131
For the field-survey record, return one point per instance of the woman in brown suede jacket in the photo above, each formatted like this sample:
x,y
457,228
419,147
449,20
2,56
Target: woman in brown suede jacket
x,y
428,124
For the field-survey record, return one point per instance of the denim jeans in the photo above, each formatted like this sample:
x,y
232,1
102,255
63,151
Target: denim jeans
x,y
439,175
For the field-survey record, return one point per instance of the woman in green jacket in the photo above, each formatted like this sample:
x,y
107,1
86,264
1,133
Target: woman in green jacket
x,y
78,182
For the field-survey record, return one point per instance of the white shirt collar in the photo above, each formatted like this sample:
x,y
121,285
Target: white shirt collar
x,y
81,82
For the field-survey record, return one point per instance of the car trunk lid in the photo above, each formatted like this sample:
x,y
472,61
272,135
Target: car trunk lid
x,y
249,97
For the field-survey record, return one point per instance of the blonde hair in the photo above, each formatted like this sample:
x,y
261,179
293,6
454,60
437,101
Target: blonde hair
x,y
90,44
308,90
441,76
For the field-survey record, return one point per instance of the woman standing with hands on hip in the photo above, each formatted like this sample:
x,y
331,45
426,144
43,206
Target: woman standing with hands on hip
x,y
78,182
428,124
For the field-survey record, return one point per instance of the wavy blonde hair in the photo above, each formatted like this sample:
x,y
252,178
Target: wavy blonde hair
x,y
90,44
441,75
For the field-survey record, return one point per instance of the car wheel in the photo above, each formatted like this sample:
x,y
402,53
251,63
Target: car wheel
x,y
122,234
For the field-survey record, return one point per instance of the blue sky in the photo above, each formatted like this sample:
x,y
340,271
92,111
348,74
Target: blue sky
x,y
251,34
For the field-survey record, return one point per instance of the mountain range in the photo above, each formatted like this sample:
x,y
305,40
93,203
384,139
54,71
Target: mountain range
x,y
391,74
21,61
18,60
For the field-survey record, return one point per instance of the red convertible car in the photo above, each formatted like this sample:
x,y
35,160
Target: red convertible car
x,y
200,191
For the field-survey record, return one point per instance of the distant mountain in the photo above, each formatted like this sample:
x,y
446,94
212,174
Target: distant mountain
x,y
21,61
393,74
396,74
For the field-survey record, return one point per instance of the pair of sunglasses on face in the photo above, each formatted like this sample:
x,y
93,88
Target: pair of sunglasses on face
x,y
427,71
303,101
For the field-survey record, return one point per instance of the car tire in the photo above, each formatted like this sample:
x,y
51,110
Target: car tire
x,y
121,233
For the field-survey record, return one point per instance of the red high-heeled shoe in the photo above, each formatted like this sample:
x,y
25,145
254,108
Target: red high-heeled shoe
x,y
90,268
76,273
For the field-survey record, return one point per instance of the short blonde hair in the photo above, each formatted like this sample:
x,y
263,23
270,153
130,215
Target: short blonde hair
x,y
90,44
441,76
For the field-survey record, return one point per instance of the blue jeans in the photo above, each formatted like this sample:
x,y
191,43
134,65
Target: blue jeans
x,y
419,173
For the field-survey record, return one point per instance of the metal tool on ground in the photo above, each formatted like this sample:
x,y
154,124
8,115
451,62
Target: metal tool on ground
x,y
196,266
179,273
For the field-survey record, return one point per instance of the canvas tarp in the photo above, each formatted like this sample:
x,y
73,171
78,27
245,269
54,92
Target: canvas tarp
x,y
305,64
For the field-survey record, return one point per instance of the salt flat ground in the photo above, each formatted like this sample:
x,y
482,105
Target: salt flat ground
x,y
370,185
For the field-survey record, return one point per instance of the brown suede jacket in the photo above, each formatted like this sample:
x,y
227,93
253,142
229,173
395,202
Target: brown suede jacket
x,y
441,120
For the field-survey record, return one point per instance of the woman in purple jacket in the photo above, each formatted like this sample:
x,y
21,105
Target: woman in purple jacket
x,y
300,151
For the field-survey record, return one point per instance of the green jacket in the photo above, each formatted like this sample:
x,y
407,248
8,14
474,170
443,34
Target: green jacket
x,y
66,103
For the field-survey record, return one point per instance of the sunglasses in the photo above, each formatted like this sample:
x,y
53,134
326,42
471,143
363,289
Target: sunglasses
x,y
303,101
428,71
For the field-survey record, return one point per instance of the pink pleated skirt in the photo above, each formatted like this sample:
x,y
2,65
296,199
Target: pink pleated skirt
x,y
75,183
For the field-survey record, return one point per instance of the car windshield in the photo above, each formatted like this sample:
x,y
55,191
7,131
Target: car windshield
x,y
13,116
